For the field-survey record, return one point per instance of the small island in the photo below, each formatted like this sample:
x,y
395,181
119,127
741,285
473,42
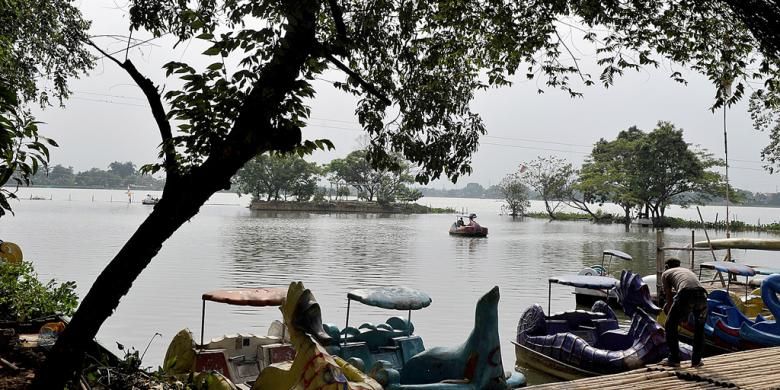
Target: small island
x,y
347,206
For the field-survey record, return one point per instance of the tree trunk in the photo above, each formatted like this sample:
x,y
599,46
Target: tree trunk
x,y
627,219
550,211
176,207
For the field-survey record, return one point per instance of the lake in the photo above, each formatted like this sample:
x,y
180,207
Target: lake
x,y
75,234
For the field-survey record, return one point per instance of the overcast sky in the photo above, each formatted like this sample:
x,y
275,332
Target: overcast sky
x,y
107,119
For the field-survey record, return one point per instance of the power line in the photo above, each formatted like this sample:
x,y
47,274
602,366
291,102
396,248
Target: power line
x,y
316,125
108,101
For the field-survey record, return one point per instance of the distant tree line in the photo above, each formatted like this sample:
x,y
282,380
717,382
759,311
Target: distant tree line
x,y
471,190
118,175
287,176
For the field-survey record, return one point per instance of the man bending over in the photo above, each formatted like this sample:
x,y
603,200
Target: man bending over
x,y
691,297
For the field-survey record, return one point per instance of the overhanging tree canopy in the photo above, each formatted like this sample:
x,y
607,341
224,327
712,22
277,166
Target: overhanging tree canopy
x,y
415,66
41,47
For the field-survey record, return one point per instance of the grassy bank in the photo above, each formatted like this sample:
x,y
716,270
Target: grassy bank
x,y
665,222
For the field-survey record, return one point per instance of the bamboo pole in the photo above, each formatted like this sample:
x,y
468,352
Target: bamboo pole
x,y
693,242
659,265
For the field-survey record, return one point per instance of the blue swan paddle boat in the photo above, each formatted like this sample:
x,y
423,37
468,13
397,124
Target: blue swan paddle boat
x,y
396,358
588,296
576,344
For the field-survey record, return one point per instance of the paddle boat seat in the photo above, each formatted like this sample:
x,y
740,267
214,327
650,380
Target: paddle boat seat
x,y
369,344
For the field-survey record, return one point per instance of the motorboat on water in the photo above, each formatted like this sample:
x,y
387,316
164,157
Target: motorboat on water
x,y
472,229
396,357
238,357
150,200
587,296
576,344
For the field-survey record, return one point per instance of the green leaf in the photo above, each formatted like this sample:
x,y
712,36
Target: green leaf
x,y
213,51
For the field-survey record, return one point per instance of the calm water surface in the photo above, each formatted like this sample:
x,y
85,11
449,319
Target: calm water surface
x,y
226,245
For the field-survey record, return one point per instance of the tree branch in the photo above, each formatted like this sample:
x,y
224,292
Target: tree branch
x,y
158,111
576,64
341,28
368,87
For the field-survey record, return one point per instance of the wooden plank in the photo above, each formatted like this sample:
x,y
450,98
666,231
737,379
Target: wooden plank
x,y
745,369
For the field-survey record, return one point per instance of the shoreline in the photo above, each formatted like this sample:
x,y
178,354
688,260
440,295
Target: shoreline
x,y
347,206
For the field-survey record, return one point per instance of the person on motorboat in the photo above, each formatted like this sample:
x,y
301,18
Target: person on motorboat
x,y
690,298
472,222
460,222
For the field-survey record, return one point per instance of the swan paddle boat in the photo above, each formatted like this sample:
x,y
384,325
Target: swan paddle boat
x,y
238,357
587,296
313,366
576,344
472,229
729,329
733,320
395,356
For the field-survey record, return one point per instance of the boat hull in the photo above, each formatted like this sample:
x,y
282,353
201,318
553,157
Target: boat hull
x,y
585,343
541,362
468,231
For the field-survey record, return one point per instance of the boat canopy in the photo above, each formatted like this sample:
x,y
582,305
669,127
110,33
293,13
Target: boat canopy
x,y
617,253
394,297
761,270
729,267
267,296
741,243
585,281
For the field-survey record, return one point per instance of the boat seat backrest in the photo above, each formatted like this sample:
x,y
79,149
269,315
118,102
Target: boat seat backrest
x,y
367,325
605,324
357,350
401,324
274,353
409,346
377,338
238,344
385,327
615,340
720,296
557,326
349,334
214,360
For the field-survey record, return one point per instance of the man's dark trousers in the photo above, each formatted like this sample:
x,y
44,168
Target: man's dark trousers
x,y
687,301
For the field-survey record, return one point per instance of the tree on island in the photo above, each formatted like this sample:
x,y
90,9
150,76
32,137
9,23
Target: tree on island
x,y
551,177
276,176
415,67
380,184
515,194
649,170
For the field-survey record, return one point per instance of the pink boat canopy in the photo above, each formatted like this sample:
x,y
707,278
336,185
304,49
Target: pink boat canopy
x,y
266,296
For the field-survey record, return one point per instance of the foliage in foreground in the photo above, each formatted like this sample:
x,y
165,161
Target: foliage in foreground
x,y
24,297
